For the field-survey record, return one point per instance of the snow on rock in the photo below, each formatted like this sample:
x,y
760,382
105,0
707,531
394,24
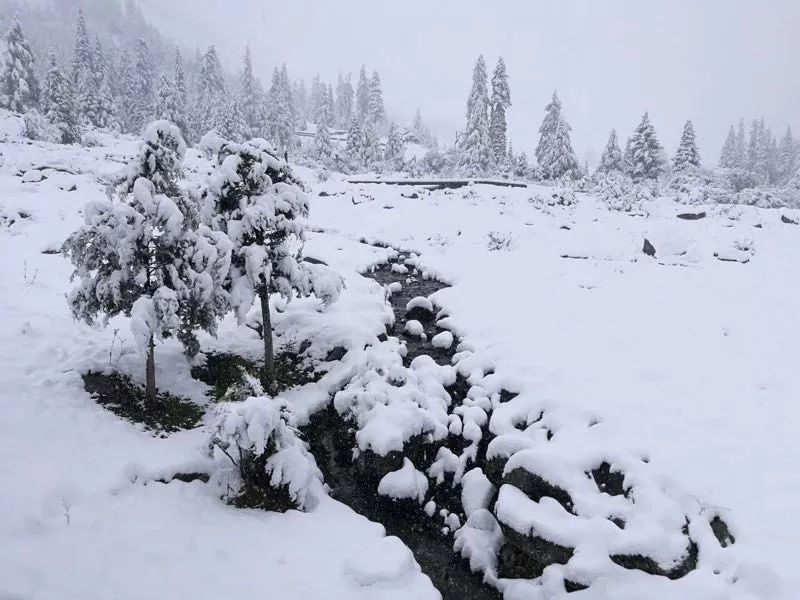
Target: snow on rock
x,y
442,340
477,492
384,563
414,328
404,484
420,308
32,176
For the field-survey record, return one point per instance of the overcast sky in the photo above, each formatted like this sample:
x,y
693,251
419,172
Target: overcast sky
x,y
711,61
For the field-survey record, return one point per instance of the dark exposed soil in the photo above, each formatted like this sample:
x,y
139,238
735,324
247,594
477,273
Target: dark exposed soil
x,y
128,400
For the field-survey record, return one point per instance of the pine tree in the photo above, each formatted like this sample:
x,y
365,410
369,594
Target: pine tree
x,y
143,98
143,255
395,145
787,157
741,146
323,147
370,146
212,96
376,114
84,80
500,102
420,131
249,97
258,203
687,155
355,137
758,151
58,104
646,153
19,85
180,115
280,116
612,156
166,101
554,153
345,99
100,109
475,150
301,102
728,158
362,96
331,109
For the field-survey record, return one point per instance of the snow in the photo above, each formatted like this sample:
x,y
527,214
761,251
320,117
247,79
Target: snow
x,y
384,564
442,340
81,513
414,328
685,359
405,483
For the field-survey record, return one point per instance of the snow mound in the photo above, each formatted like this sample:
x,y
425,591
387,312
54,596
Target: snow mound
x,y
385,561
405,483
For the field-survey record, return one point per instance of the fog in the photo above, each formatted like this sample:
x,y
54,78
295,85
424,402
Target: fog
x,y
712,61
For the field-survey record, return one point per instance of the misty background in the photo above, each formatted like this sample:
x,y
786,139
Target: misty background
x,y
712,61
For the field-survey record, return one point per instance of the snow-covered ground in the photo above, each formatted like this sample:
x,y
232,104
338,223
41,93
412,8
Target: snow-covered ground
x,y
685,359
688,358
77,520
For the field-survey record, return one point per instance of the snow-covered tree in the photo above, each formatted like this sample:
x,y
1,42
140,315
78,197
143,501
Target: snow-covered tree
x,y
355,138
323,147
345,101
211,97
58,103
500,101
758,151
258,203
166,101
370,146
376,113
300,97
180,115
646,153
19,85
84,80
331,106
280,116
611,160
476,155
741,146
728,158
143,99
687,154
420,130
554,153
143,255
395,145
315,99
787,157
230,123
362,96
250,98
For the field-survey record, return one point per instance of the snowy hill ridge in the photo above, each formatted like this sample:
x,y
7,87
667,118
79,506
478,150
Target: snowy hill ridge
x,y
589,380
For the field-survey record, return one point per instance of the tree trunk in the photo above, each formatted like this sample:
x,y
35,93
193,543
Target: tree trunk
x,y
268,374
151,371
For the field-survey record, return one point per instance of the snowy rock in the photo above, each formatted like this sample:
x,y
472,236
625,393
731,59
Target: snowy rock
x,y
399,269
414,328
33,176
443,340
648,248
477,492
421,309
405,484
387,560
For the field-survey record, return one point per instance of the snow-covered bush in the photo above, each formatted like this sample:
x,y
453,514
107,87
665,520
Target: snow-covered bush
x,y
560,195
256,201
141,254
433,162
272,467
615,190
500,241
38,128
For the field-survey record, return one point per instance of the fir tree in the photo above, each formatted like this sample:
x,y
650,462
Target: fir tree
x,y
376,114
180,91
331,108
787,157
83,72
362,96
758,151
687,155
301,102
395,146
101,110
212,96
345,99
58,104
143,93
258,203
741,146
646,152
166,101
728,158
612,155
19,85
355,137
500,102
475,149
280,116
142,255
249,96
370,146
420,130
554,153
